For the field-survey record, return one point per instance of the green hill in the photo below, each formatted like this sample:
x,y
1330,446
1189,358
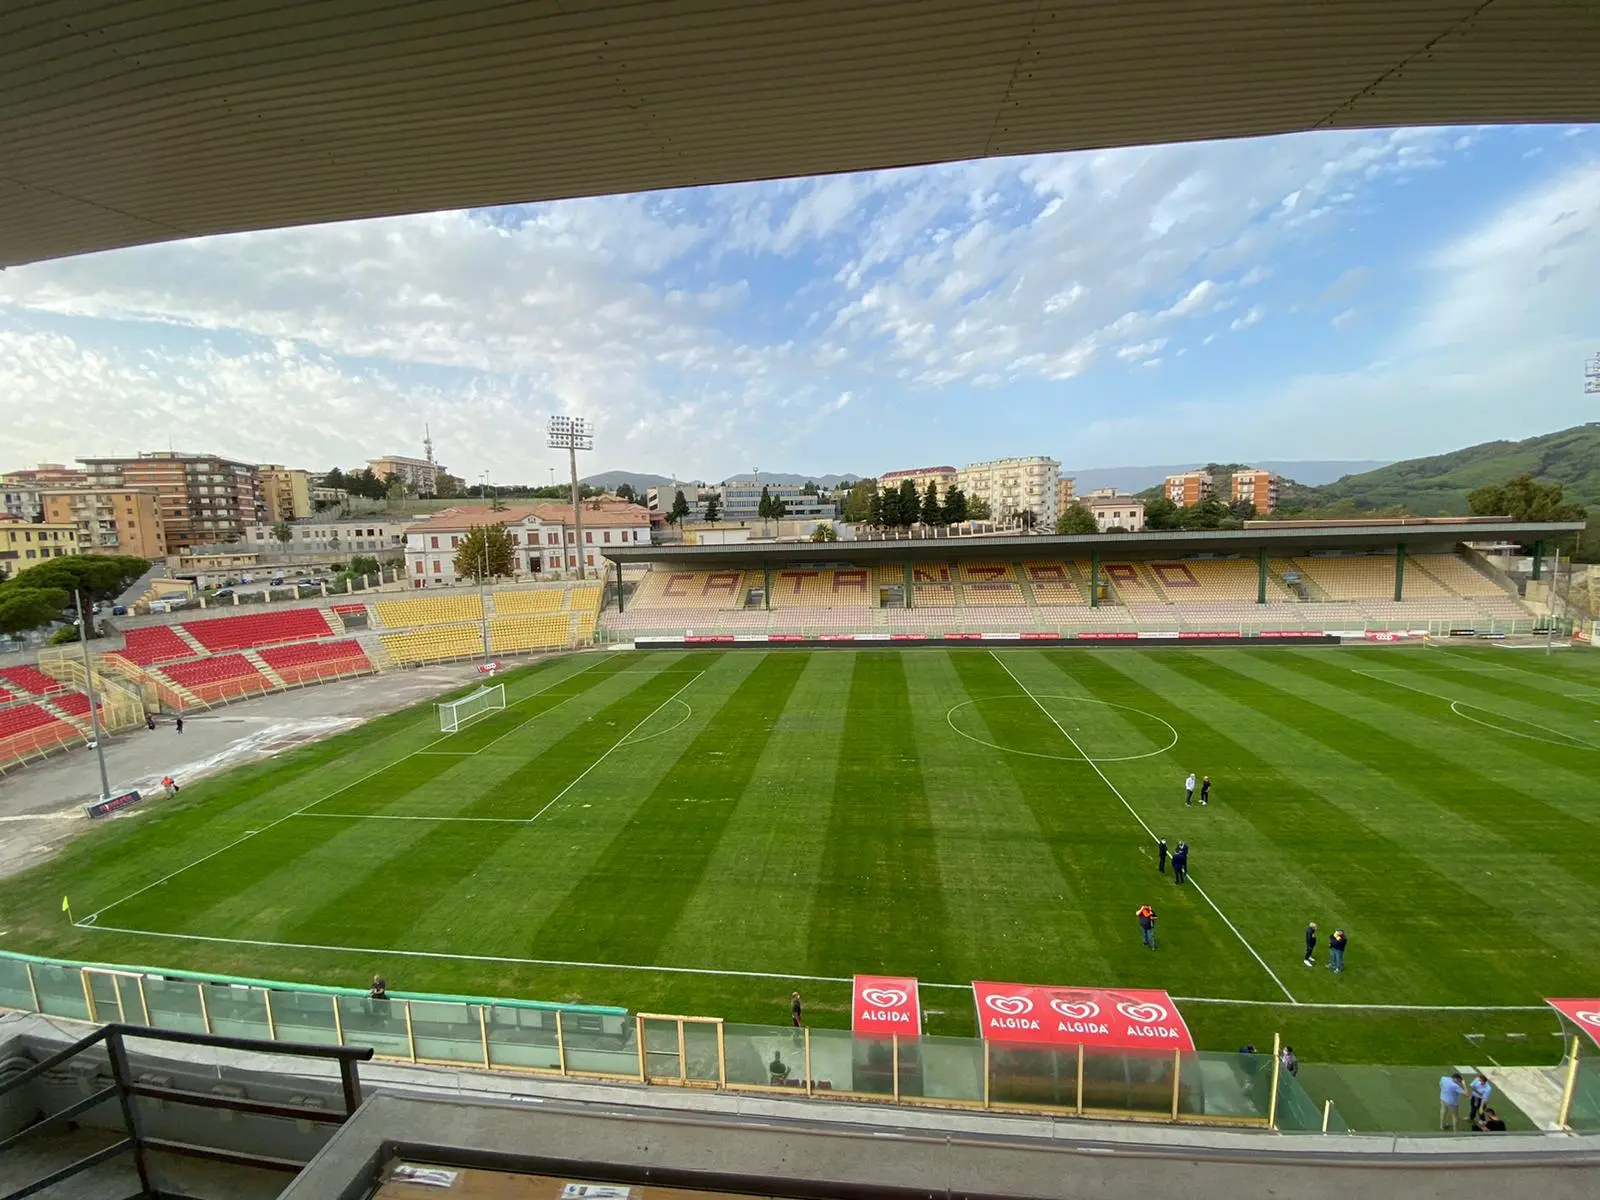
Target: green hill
x,y
1438,486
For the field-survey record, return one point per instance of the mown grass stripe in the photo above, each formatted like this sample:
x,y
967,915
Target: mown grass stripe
x,y
878,906
652,868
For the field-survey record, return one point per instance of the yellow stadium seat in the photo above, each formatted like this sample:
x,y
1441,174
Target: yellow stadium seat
x,y
435,644
1365,577
667,590
1457,574
546,632
808,587
526,601
989,584
1051,583
429,610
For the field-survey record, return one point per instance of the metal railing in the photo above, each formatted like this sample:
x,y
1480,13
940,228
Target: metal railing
x,y
124,1089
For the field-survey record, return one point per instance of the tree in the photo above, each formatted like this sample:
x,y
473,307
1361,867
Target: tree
x,y
1208,514
858,501
24,608
780,508
486,552
1160,513
1523,498
875,508
932,510
1077,519
96,576
713,510
448,487
362,564
810,489
283,534
978,509
625,492
910,507
954,510
335,479
764,509
1243,510
680,508
824,532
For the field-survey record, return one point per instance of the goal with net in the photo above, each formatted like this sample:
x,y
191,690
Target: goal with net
x,y
457,714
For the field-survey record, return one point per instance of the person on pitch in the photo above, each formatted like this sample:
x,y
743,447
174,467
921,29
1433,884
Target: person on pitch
x,y
1188,789
1180,863
1147,924
1205,791
1336,945
1161,855
1311,944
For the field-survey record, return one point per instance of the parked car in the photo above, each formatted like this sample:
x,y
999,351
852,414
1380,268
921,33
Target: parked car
x,y
277,581
222,593
119,610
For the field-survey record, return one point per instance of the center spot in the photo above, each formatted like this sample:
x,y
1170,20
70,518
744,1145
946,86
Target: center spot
x,y
1047,726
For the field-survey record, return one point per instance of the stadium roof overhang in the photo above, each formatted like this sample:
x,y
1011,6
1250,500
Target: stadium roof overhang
x,y
1418,538
128,121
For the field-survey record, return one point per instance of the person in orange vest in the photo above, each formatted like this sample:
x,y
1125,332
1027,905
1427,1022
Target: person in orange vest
x,y
1147,924
170,784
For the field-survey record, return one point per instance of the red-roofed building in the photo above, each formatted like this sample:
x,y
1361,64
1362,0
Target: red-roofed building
x,y
542,534
943,477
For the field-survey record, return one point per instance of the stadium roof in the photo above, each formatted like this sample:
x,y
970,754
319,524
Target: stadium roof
x,y
127,121
1419,538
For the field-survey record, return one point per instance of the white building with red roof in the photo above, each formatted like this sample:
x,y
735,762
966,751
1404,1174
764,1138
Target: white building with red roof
x,y
542,535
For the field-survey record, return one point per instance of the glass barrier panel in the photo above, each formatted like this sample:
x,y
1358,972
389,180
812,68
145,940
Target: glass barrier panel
x,y
132,1004
14,989
853,1064
764,1056
447,1032
700,1051
103,992
60,991
1041,1075
1149,1076
599,1044
304,1017
380,1024
237,1011
952,1068
1297,1111
174,1004
1584,1111
1219,1084
660,1048
523,1037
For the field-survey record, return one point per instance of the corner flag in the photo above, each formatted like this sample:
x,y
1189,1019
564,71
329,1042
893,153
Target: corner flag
x,y
65,907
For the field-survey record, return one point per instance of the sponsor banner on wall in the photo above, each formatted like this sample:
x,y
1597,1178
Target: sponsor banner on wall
x,y
657,641
1122,1019
701,639
1107,636
1221,633
1040,637
1167,634
786,637
908,637
1585,1014
872,637
836,637
963,637
886,1004
750,637
1293,633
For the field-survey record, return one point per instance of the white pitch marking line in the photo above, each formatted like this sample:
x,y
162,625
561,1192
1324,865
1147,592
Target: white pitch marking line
x,y
617,746
715,971
542,712
397,817
1570,741
1104,778
297,812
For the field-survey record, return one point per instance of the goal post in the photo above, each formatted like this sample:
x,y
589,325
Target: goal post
x,y
457,714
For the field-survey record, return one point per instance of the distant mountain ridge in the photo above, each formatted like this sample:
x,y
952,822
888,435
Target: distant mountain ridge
x,y
1310,472
640,480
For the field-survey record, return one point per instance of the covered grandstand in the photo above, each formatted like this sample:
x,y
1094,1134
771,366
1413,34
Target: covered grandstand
x,y
1413,574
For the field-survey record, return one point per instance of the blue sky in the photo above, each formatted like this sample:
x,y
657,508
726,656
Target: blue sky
x,y
1334,295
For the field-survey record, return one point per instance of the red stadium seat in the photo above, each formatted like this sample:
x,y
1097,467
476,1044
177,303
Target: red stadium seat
x,y
27,727
259,629
219,677
155,644
296,664
30,680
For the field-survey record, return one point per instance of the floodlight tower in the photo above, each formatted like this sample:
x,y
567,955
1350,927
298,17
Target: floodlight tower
x,y
573,434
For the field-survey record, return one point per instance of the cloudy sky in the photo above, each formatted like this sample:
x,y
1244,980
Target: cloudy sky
x,y
1338,295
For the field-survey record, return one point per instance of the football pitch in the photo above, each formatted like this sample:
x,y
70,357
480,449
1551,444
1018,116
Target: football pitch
x,y
701,832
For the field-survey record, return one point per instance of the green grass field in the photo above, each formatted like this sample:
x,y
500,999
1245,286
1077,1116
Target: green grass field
x,y
748,817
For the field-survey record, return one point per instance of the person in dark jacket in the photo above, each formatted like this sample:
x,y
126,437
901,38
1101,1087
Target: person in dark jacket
x,y
1205,790
1336,945
1161,855
1180,863
1311,944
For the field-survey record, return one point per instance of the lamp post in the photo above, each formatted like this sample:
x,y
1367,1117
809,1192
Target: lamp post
x,y
88,685
573,434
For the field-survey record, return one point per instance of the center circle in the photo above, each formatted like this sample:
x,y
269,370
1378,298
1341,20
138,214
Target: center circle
x,y
1086,730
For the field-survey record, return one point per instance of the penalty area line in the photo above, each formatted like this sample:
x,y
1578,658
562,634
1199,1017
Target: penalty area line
x,y
1105,779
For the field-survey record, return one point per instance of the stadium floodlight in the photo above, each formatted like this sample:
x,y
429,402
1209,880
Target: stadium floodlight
x,y
1591,376
458,714
573,434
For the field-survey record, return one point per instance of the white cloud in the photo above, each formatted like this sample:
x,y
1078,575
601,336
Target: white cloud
x,y
1249,318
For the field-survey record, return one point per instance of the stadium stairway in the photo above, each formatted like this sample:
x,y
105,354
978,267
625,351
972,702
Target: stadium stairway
x,y
189,638
265,668
1027,587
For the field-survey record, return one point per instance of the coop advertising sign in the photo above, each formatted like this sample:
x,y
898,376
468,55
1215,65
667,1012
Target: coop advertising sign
x,y
1585,1014
886,1004
1125,1019
111,804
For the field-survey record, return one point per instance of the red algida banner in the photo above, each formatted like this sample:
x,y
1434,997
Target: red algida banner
x,y
1122,1019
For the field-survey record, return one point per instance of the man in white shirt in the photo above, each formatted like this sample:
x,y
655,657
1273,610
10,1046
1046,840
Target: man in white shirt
x,y
1188,789
1450,1091
1481,1090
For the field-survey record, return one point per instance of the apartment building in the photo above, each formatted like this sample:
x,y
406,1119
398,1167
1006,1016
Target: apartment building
x,y
1188,489
1258,487
1013,485
19,490
1066,492
25,544
421,475
1114,510
659,499
542,535
741,500
203,499
110,520
285,492
23,503
351,535
943,478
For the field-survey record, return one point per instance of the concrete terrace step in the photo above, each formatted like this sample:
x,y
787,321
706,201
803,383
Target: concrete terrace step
x,y
264,667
